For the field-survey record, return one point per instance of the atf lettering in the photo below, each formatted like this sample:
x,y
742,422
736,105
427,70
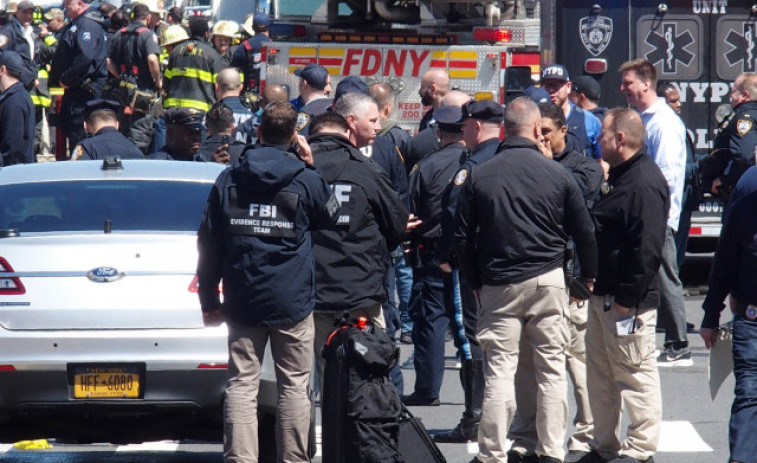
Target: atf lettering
x,y
342,193
263,210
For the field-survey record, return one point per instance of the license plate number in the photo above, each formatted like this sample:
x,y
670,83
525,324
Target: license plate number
x,y
104,382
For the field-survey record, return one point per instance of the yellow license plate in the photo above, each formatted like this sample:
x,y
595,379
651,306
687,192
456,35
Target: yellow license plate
x,y
107,383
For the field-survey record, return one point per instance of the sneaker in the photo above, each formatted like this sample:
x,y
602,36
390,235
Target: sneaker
x,y
672,357
406,338
418,401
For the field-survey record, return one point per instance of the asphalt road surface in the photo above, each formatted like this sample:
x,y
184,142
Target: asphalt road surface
x,y
695,428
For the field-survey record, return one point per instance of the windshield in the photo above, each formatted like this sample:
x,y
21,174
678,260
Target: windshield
x,y
130,205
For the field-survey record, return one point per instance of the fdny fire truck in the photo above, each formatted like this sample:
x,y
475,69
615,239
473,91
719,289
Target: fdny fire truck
x,y
496,49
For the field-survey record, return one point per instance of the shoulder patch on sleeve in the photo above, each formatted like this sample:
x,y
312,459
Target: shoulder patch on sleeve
x,y
86,36
303,119
3,40
743,126
78,152
460,177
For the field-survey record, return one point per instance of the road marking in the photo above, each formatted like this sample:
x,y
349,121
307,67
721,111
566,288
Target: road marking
x,y
160,446
680,436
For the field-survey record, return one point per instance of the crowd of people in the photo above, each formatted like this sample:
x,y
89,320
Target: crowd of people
x,y
547,253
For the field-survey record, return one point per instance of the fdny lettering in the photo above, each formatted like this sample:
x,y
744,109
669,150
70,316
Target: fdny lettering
x,y
709,6
342,195
370,62
262,210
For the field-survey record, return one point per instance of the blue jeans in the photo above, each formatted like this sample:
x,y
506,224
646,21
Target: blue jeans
x,y
742,442
402,283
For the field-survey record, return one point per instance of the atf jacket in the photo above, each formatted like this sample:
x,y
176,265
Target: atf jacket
x,y
351,255
16,126
255,235
190,75
515,215
630,220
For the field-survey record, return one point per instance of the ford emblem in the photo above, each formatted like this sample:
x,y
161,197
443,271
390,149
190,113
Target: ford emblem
x,y
104,274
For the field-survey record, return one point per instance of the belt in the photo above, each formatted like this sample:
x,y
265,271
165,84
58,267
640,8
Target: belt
x,y
746,310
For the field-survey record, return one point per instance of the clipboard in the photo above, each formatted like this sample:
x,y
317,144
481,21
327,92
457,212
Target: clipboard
x,y
721,359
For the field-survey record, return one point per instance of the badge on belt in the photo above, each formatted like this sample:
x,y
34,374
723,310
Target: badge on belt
x,y
751,312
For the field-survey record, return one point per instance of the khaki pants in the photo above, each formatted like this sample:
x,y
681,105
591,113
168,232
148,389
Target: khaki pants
x,y
536,310
622,371
523,431
324,326
292,351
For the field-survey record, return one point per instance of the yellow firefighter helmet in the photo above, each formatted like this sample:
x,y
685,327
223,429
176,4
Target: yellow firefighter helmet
x,y
174,34
228,29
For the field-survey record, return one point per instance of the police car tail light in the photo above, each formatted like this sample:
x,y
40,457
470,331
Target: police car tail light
x,y
213,366
10,285
595,66
194,286
492,35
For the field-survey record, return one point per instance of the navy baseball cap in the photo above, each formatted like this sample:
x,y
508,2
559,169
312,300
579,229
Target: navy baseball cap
x,y
538,94
184,117
316,76
449,118
100,104
12,60
555,71
261,22
350,84
484,110
588,86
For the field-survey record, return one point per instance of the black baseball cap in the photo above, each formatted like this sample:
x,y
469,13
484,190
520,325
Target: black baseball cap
x,y
555,71
588,86
12,60
184,117
316,76
484,110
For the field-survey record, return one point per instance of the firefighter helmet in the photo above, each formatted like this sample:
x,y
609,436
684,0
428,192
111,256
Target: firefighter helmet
x,y
174,34
228,29
247,26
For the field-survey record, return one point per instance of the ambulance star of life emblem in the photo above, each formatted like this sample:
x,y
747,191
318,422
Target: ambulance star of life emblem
x,y
596,32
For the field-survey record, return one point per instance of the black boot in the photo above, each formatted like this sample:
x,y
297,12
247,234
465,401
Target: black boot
x,y
467,429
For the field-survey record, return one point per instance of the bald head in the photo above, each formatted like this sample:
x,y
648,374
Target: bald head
x,y
521,117
434,85
622,135
228,83
455,98
273,93
384,96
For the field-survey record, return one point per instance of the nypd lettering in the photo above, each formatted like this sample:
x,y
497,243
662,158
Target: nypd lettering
x,y
275,218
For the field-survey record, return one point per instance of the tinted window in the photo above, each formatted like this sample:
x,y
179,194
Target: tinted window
x,y
86,205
